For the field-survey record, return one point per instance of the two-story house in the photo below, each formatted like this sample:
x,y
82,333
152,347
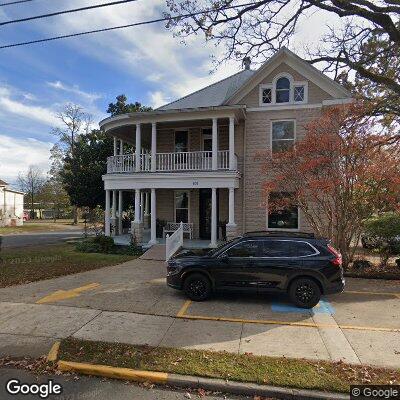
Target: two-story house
x,y
193,160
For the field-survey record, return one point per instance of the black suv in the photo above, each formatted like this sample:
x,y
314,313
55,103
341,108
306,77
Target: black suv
x,y
295,263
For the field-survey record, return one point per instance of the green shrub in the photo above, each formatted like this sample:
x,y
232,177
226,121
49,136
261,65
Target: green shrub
x,y
106,243
386,227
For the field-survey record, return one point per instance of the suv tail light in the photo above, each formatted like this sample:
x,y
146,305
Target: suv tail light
x,y
337,261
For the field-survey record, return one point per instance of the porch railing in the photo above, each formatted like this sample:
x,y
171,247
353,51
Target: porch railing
x,y
174,242
125,163
169,162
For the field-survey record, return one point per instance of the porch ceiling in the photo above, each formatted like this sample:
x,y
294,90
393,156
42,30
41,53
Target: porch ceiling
x,y
127,132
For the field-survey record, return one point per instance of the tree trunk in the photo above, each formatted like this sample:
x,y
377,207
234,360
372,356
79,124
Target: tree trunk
x,y
75,215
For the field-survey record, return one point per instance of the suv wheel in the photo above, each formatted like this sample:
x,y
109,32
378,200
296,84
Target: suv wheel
x,y
197,287
305,293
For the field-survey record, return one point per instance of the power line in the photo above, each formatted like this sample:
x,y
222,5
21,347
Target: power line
x,y
124,26
14,2
65,11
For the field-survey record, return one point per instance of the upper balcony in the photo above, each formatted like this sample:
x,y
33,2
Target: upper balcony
x,y
170,162
175,141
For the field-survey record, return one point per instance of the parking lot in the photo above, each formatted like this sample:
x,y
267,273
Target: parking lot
x,y
131,303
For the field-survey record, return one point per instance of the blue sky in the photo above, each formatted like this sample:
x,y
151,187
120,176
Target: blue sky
x,y
146,63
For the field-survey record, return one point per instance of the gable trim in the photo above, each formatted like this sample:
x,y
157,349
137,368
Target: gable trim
x,y
298,64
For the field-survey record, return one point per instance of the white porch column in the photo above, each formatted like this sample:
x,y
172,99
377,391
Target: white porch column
x,y
141,206
214,144
107,215
138,149
114,211
231,143
114,203
153,147
137,206
121,148
213,217
115,146
120,212
146,203
153,218
231,221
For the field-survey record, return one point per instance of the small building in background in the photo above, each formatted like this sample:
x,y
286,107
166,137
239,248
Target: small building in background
x,y
11,206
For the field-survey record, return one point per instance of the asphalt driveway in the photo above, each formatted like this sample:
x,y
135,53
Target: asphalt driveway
x,y
131,303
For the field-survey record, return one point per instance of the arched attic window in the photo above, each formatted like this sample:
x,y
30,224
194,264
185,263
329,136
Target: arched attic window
x,y
282,90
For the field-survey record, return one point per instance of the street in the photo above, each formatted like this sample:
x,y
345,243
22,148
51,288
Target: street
x,y
96,388
31,239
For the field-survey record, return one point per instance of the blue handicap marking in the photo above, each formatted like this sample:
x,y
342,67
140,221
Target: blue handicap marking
x,y
323,307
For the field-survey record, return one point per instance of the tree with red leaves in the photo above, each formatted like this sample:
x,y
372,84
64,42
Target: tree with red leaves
x,y
344,170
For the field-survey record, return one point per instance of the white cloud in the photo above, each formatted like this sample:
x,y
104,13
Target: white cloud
x,y
157,99
17,154
12,105
90,97
148,52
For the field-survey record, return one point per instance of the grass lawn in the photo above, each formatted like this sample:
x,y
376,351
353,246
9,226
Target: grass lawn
x,y
275,371
29,264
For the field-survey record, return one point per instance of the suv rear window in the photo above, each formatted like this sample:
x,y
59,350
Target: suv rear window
x,y
286,248
276,248
301,249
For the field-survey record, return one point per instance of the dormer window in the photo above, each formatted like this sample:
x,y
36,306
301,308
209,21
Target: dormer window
x,y
283,90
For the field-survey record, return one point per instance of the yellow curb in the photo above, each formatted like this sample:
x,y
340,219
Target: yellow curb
x,y
113,372
53,353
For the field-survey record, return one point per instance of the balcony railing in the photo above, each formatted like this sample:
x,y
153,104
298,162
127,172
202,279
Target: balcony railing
x,y
169,162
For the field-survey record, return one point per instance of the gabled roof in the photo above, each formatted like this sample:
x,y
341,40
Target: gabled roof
x,y
213,95
2,183
304,68
232,89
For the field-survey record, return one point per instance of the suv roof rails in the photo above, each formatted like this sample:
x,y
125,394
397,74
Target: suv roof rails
x,y
280,233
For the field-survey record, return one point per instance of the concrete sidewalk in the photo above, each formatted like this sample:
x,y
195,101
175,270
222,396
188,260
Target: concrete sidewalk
x,y
31,330
131,303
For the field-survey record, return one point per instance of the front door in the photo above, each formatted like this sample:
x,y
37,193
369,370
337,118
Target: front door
x,y
205,213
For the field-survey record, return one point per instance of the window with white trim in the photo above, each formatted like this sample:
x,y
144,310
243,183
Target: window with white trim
x,y
266,94
181,206
284,215
284,90
299,93
283,135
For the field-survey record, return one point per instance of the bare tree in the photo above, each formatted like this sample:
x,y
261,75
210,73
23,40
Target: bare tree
x,y
31,183
74,122
259,28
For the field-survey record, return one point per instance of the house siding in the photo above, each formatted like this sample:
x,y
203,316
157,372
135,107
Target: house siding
x,y
258,138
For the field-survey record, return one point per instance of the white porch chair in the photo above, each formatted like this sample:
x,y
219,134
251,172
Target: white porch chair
x,y
171,227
